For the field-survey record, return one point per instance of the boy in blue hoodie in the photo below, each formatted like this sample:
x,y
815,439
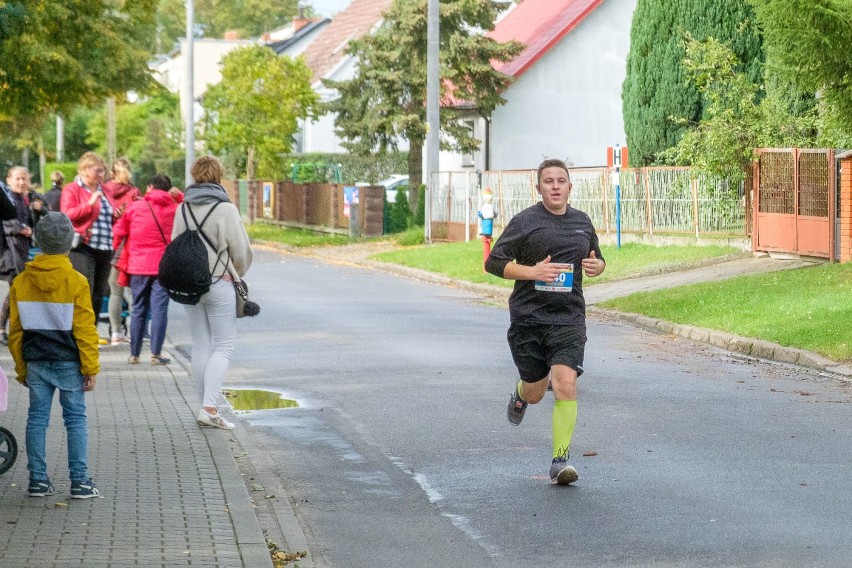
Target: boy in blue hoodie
x,y
54,342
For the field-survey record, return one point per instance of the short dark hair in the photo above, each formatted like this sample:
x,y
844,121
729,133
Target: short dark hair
x,y
551,163
161,181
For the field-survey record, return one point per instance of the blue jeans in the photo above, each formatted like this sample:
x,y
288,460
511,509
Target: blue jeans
x,y
149,298
44,378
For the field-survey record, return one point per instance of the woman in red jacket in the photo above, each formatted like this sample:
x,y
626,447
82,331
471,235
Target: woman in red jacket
x,y
147,226
120,193
91,214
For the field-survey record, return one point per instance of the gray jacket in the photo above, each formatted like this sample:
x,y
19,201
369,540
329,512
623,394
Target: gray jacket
x,y
224,228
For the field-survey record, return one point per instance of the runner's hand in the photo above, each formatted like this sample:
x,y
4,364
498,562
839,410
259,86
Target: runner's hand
x,y
593,266
547,271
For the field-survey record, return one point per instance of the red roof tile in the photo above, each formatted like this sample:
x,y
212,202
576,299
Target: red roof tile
x,y
329,48
538,24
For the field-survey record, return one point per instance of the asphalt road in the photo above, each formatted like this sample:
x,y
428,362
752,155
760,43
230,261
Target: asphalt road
x,y
400,453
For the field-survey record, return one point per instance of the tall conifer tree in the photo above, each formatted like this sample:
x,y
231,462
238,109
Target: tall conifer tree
x,y
656,87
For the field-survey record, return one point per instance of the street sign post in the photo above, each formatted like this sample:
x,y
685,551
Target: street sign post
x,y
616,157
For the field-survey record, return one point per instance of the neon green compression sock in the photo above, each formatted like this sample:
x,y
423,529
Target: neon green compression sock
x,y
521,390
564,419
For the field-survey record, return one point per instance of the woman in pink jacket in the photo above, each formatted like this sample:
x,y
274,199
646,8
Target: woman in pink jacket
x,y
147,226
120,193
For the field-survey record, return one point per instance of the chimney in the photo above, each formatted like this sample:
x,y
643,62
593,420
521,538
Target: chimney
x,y
300,21
232,35
265,37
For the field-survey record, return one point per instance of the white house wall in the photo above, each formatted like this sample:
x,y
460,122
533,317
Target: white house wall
x,y
568,104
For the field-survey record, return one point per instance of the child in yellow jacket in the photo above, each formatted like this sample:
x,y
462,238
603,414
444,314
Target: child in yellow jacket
x,y
53,339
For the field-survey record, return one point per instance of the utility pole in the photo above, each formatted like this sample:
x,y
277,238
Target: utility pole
x,y
190,90
433,119
60,138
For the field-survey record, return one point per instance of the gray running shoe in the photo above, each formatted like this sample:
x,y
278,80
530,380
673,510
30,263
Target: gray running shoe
x,y
517,407
561,473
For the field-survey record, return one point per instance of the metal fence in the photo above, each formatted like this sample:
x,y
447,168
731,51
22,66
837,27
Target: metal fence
x,y
653,200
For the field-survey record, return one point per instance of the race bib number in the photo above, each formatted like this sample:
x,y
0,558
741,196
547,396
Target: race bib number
x,y
563,283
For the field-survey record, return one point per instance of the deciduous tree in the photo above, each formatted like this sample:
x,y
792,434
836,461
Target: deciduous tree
x,y
57,54
736,119
254,110
149,130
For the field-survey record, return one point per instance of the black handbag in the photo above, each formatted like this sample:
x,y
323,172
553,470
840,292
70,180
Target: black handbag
x,y
245,307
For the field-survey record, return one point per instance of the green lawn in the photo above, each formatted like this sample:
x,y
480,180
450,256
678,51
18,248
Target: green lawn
x,y
809,308
293,237
464,260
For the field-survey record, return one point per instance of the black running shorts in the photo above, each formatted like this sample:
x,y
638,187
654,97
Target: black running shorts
x,y
536,348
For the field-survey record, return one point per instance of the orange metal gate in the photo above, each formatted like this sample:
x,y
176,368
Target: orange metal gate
x,y
795,202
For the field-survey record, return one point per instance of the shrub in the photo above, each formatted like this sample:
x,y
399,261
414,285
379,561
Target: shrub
x,y
411,237
398,215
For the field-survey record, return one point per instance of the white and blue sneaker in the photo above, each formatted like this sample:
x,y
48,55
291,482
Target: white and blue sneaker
x,y
39,488
84,489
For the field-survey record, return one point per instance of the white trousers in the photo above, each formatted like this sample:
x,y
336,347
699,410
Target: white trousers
x,y
213,325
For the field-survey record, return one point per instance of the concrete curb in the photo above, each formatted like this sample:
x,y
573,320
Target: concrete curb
x,y
251,541
756,348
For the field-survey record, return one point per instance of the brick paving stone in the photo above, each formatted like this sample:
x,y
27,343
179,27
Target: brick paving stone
x,y
162,502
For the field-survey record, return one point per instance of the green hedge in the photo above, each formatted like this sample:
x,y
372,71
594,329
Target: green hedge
x,y
143,171
323,168
68,169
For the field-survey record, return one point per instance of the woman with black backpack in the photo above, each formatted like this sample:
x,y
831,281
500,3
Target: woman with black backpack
x,y
212,320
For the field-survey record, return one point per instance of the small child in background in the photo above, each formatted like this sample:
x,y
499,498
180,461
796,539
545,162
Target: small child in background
x,y
54,342
57,180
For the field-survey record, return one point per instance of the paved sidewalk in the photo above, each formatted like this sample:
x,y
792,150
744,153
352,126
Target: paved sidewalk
x,y
171,492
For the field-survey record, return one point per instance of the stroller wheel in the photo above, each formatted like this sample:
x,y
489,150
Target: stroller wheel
x,y
8,450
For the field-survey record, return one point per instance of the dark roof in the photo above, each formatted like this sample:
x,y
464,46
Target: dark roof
x,y
281,46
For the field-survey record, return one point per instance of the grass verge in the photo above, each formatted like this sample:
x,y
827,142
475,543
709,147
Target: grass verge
x,y
261,231
463,261
293,237
807,308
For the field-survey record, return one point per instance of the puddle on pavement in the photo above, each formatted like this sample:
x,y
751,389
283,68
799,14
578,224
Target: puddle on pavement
x,y
250,399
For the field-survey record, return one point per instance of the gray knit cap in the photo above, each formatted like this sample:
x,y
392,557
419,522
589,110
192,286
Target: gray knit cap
x,y
54,233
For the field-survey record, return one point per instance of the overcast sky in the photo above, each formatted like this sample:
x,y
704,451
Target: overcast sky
x,y
328,7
